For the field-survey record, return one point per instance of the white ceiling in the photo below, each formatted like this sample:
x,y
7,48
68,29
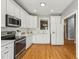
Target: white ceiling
x,y
57,5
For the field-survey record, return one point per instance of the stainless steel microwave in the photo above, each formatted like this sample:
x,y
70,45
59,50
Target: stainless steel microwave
x,y
12,21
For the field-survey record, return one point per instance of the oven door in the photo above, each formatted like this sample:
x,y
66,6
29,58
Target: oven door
x,y
20,46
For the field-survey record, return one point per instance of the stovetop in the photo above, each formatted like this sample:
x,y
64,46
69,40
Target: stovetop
x,y
10,35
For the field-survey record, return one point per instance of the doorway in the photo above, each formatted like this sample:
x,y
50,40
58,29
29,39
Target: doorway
x,y
70,33
70,28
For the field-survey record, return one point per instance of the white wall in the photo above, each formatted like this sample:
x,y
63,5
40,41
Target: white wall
x,y
71,8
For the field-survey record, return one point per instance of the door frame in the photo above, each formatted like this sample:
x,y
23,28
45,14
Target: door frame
x,y
75,12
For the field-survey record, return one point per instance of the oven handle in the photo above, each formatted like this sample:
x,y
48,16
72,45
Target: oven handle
x,y
20,40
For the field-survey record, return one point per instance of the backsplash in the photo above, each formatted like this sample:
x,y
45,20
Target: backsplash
x,y
24,30
12,29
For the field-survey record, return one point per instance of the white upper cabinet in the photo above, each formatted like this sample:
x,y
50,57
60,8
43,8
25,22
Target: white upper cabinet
x,y
10,7
32,21
3,12
16,11
22,15
13,8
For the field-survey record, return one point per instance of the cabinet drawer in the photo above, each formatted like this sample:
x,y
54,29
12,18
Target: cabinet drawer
x,y
6,47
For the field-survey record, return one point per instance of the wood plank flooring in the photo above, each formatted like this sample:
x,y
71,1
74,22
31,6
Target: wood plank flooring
x,y
66,51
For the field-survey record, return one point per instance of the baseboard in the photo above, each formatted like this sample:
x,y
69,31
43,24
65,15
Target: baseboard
x,y
41,43
70,39
28,47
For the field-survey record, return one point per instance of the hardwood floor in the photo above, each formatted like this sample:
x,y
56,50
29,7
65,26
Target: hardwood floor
x,y
67,51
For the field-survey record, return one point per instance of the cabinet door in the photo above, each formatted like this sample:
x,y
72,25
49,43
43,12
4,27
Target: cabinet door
x,y
27,21
30,20
34,21
5,55
10,8
11,51
28,41
25,18
3,12
16,11
22,19
8,52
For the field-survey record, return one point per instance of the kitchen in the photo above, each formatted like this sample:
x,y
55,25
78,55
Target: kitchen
x,y
29,26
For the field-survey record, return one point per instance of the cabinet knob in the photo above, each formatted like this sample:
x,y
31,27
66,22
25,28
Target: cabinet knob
x,y
53,32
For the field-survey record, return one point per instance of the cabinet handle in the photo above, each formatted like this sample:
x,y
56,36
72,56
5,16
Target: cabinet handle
x,y
53,32
6,52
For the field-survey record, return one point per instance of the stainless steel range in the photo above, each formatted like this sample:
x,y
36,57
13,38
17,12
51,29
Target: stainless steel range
x,y
20,45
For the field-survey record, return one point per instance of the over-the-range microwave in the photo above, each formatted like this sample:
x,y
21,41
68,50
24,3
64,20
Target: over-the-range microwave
x,y
12,21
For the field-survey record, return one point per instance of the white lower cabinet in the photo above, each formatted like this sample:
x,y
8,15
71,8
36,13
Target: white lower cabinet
x,y
7,51
28,41
41,39
5,54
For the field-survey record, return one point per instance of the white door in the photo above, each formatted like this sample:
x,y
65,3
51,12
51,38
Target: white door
x,y
56,31
60,40
53,30
53,34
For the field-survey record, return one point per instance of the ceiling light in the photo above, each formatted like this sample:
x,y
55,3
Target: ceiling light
x,y
35,10
43,4
51,10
